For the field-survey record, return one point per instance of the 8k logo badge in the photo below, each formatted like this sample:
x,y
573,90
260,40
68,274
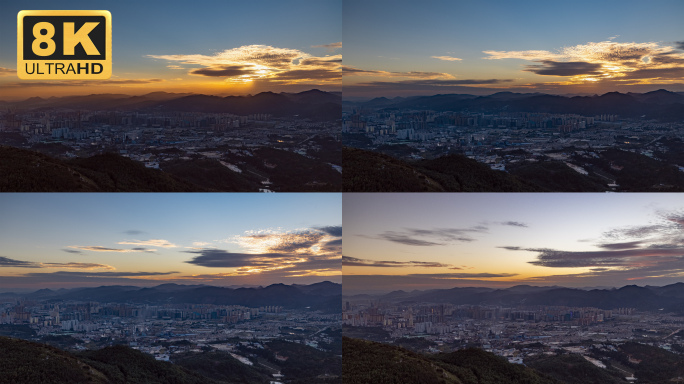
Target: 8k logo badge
x,y
63,45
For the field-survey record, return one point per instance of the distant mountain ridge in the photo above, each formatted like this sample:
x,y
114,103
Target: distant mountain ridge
x,y
314,103
660,104
326,296
649,298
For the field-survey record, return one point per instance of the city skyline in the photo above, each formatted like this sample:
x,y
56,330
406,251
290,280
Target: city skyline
x,y
73,240
212,47
408,48
416,241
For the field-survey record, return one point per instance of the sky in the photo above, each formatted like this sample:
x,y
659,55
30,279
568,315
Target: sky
x,y
70,240
405,47
419,241
211,47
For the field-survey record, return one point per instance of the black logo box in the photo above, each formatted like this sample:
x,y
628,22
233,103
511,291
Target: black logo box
x,y
97,36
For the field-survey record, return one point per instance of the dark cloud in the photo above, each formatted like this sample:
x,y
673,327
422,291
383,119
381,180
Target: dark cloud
x,y
429,237
223,71
571,68
103,249
511,248
353,261
674,73
72,251
332,230
217,258
671,57
7,262
626,245
332,246
679,45
322,62
134,232
514,224
612,258
406,240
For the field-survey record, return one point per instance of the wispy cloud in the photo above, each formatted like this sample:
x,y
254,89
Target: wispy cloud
x,y
446,58
7,262
356,262
97,248
630,248
514,224
429,237
330,47
7,72
438,236
351,71
152,243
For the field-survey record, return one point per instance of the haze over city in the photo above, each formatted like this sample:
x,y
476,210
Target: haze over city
x,y
428,241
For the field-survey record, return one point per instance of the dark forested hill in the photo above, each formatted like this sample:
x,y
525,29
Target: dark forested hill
x,y
29,171
27,362
371,362
366,171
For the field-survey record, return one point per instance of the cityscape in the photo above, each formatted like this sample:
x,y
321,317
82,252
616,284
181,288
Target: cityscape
x,y
511,108
602,150
540,281
250,281
256,152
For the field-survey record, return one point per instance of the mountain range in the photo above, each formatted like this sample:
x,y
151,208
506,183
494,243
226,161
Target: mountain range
x,y
660,105
669,298
314,104
324,296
